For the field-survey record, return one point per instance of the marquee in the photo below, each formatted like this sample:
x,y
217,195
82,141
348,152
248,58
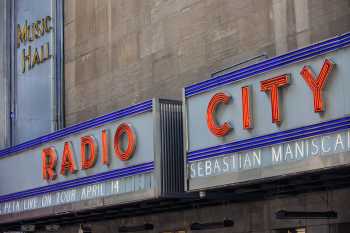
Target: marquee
x,y
283,116
115,158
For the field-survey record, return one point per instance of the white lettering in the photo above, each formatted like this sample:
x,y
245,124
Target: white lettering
x,y
115,187
324,150
29,204
257,158
234,156
314,146
226,168
16,206
193,170
288,153
339,141
217,168
276,157
66,196
94,191
240,162
208,168
200,169
46,200
247,162
299,149
7,207
307,148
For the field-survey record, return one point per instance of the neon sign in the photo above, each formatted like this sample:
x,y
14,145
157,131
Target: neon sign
x,y
88,153
273,87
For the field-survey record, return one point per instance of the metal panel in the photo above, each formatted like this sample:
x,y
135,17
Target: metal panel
x,y
36,91
171,146
299,121
59,66
5,72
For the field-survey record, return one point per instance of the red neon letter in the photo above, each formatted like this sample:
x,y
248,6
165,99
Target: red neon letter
x,y
68,163
317,85
88,144
49,160
124,129
272,85
217,130
105,157
246,113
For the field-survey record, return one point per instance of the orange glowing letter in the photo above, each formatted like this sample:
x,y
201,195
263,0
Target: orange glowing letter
x,y
88,144
68,163
49,161
127,130
272,85
246,113
105,157
317,85
217,130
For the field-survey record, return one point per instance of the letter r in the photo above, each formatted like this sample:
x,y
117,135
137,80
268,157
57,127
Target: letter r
x,y
49,161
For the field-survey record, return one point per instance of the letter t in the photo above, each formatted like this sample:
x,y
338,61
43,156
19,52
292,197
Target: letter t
x,y
272,85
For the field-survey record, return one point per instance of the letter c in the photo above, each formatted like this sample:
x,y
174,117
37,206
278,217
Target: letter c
x,y
217,130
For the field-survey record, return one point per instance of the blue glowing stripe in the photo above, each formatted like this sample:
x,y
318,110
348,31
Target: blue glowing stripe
x,y
273,63
271,139
129,111
98,178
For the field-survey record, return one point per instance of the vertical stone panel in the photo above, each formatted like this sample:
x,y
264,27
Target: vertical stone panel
x,y
279,8
302,24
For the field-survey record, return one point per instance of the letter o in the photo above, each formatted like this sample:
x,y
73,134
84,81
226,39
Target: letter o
x,y
124,129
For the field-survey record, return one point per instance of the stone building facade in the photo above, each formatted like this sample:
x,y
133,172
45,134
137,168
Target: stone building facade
x,y
121,52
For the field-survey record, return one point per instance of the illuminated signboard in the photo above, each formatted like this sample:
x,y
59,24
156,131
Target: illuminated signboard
x,y
116,157
285,115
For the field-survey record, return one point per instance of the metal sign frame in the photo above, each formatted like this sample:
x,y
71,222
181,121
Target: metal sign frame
x,y
166,167
261,141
